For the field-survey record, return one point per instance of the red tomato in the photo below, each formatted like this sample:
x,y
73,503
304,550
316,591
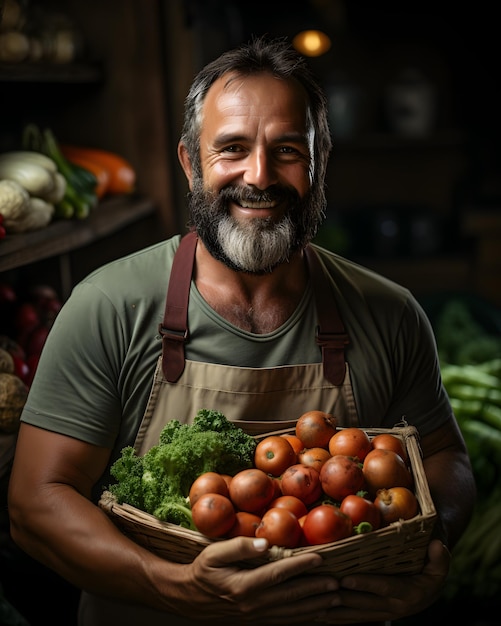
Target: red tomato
x,y
274,454
291,503
360,509
245,525
302,482
326,523
252,490
314,457
315,428
340,476
387,441
295,442
396,503
383,469
352,442
213,515
280,527
209,482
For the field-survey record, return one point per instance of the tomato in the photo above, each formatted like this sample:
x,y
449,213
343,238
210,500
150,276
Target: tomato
x,y
280,527
295,442
314,457
352,442
227,479
302,482
340,476
252,490
245,525
396,503
315,428
277,486
326,523
213,515
291,503
209,482
360,509
387,441
274,454
383,469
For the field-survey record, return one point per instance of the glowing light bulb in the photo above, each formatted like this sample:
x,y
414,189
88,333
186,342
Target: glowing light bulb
x,y
312,43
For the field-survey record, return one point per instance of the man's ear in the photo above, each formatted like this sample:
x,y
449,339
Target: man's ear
x,y
184,159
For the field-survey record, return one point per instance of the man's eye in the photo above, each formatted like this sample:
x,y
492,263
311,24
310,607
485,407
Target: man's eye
x,y
232,148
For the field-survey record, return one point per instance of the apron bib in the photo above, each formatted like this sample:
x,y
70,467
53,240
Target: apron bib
x,y
259,400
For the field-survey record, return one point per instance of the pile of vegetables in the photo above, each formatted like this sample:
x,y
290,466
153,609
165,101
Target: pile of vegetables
x,y
159,482
46,180
30,188
318,485
471,373
26,317
90,173
332,484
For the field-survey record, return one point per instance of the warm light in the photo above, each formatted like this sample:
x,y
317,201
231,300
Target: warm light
x,y
311,43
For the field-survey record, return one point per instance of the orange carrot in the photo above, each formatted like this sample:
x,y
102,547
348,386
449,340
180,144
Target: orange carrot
x,y
122,175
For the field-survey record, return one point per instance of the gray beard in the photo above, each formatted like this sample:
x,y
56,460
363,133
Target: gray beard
x,y
258,245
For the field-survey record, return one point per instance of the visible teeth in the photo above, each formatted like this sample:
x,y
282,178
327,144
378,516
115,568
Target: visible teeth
x,y
258,205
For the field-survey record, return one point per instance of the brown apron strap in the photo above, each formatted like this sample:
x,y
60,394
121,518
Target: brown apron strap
x,y
331,335
174,329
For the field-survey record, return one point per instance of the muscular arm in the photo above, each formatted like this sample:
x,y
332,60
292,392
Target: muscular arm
x,y
451,482
54,520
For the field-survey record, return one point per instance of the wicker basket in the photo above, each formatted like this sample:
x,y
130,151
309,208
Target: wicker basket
x,y
399,548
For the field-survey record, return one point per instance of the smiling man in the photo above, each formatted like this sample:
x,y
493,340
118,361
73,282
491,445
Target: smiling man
x,y
258,323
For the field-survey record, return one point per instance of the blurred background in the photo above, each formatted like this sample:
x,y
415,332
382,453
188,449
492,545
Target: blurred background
x,y
413,187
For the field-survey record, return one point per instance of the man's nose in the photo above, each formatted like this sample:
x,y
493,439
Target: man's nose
x,y
260,171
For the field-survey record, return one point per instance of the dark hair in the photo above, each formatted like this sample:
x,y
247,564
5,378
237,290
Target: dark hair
x,y
260,55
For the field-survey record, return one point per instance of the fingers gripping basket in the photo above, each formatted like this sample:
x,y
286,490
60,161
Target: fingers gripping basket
x,y
399,548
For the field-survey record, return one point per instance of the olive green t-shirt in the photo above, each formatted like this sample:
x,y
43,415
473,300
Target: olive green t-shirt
x,y
97,366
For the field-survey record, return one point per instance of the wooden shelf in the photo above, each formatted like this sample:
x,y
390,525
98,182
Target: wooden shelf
x,y
63,236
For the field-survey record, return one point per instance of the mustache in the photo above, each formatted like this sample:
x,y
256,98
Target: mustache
x,y
275,193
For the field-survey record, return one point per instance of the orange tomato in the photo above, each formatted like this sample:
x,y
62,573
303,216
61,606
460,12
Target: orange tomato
x,y
273,455
245,525
387,441
213,515
314,457
208,482
315,428
252,490
352,442
295,442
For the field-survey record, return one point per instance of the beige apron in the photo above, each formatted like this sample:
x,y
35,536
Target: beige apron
x,y
258,399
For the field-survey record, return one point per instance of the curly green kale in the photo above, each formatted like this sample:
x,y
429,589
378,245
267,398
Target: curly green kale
x,y
159,482
128,471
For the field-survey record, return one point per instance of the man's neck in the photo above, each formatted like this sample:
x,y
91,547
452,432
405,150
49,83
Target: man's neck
x,y
258,304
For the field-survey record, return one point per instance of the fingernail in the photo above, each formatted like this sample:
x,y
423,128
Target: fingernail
x,y
260,544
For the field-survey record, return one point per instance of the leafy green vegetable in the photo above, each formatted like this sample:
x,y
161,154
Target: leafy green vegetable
x,y
461,339
471,373
159,482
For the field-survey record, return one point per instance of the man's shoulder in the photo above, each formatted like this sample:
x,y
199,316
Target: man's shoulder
x,y
153,260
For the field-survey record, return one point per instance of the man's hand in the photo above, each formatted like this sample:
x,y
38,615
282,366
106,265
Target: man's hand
x,y
285,591
366,597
